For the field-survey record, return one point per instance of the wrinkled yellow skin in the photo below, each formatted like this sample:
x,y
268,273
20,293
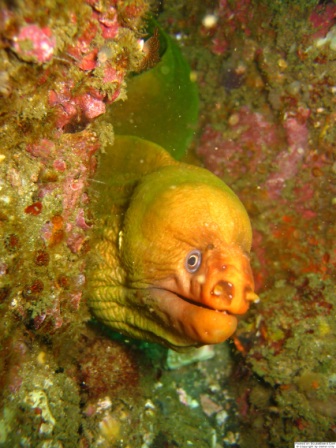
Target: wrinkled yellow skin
x,y
151,213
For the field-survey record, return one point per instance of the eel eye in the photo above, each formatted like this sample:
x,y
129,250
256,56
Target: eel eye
x,y
193,261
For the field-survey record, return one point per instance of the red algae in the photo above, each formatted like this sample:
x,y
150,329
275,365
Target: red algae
x,y
288,161
323,17
34,44
249,134
34,209
267,81
104,369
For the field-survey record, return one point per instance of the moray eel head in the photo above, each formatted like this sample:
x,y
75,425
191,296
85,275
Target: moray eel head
x,y
202,305
185,247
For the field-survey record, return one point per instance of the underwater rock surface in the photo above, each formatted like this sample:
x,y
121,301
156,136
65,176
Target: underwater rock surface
x,y
266,76
269,101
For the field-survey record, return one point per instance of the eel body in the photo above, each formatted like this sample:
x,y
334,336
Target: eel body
x,y
170,259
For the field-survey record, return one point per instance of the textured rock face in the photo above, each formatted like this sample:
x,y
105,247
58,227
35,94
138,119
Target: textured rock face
x,y
61,65
268,133
267,87
59,71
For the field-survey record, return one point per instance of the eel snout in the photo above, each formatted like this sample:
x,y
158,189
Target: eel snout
x,y
226,283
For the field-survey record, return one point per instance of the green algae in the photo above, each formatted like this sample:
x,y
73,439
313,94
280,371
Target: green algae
x,y
162,103
297,372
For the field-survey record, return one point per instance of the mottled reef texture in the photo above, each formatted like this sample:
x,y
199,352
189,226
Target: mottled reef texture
x,y
267,80
267,84
61,64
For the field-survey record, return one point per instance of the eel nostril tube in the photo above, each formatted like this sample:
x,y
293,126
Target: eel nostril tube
x,y
252,296
224,289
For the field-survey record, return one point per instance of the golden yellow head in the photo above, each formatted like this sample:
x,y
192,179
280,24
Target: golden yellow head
x,y
186,244
171,264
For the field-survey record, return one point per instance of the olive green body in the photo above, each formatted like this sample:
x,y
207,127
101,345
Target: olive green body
x,y
150,212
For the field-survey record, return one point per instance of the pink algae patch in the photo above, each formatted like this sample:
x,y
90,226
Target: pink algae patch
x,y
323,18
287,162
241,147
35,43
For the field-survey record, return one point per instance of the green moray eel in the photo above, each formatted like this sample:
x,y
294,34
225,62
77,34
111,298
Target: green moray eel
x,y
170,255
170,258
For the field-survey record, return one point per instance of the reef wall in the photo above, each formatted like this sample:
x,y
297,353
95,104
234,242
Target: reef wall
x,y
266,76
267,82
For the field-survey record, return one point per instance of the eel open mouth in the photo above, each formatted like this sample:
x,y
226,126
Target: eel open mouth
x,y
194,321
198,304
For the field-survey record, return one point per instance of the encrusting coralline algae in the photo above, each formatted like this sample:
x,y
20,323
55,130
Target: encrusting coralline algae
x,y
266,78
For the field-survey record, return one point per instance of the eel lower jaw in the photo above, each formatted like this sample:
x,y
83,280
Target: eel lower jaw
x,y
196,323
